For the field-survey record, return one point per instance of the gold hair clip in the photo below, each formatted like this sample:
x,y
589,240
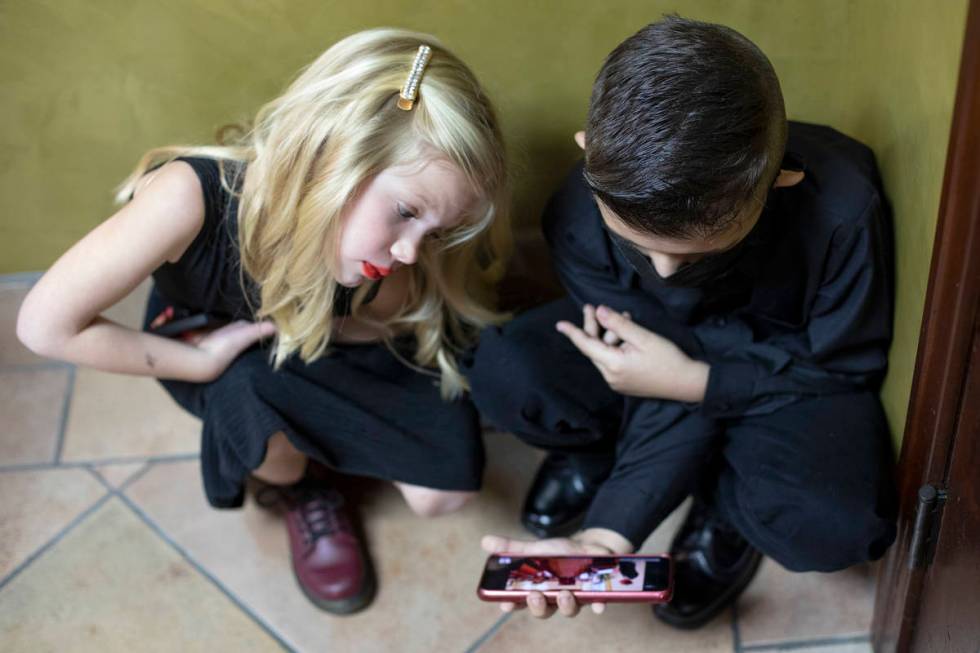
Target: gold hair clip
x,y
410,91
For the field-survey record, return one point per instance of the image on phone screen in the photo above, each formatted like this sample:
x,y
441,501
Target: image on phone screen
x,y
586,574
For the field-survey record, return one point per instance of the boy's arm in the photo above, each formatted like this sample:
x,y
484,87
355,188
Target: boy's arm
x,y
847,335
842,348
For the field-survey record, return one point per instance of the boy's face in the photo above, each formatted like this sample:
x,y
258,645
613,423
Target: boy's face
x,y
668,255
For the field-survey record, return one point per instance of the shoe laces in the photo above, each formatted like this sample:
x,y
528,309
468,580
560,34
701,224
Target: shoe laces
x,y
320,509
322,514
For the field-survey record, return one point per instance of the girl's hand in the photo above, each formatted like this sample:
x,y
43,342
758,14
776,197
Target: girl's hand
x,y
224,344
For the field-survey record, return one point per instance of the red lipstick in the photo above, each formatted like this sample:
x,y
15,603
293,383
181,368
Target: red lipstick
x,y
374,272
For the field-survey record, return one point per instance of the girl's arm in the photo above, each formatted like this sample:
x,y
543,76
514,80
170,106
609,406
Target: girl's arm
x,y
60,317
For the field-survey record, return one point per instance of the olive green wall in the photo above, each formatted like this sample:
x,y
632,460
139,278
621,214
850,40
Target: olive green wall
x,y
88,85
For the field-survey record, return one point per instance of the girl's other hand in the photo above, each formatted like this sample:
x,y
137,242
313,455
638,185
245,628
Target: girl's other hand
x,y
224,344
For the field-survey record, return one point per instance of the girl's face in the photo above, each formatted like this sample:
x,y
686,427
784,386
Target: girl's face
x,y
385,225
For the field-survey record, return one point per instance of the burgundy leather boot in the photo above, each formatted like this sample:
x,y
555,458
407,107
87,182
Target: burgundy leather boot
x,y
329,558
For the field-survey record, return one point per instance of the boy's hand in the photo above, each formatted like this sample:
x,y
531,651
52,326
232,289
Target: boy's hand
x,y
635,361
537,605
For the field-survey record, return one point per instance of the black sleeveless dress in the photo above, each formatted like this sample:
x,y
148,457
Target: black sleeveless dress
x,y
358,409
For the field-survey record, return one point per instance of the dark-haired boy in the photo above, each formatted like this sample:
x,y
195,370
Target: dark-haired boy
x,y
732,281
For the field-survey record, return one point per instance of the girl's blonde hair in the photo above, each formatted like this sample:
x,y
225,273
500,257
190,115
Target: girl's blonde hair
x,y
312,149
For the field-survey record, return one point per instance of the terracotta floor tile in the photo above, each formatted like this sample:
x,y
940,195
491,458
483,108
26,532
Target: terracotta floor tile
x,y
118,473
36,506
427,569
112,585
113,415
780,605
11,351
31,405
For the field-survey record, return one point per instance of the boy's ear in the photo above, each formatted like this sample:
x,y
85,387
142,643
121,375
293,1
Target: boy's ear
x,y
788,178
580,139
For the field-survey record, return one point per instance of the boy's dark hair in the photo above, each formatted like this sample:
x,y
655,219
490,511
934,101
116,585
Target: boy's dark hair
x,y
686,126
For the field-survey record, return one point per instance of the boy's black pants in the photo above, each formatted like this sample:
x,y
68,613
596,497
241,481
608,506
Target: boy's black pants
x,y
810,485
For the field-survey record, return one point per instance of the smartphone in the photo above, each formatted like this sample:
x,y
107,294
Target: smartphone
x,y
607,579
173,328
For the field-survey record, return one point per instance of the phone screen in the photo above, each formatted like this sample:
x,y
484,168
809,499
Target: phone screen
x,y
595,574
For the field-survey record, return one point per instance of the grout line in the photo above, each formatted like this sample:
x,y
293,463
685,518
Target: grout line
x,y
54,540
140,473
482,639
99,477
156,528
809,643
65,407
132,478
736,633
119,460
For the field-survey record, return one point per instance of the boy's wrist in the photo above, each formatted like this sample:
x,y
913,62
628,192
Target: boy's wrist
x,y
695,381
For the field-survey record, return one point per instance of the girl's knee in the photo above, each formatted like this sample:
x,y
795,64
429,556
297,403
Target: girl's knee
x,y
427,502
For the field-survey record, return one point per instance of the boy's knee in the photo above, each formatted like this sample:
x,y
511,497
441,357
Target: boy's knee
x,y
501,363
833,549
426,502
818,532
504,358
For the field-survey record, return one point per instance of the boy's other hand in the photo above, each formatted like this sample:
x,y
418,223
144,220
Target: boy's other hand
x,y
636,361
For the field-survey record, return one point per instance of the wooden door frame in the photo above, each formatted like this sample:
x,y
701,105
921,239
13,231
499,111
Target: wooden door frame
x,y
944,349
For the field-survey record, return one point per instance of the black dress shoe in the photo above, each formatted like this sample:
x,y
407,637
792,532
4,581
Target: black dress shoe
x,y
561,493
713,564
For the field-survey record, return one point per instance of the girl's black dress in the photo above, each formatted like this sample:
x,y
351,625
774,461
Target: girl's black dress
x,y
358,409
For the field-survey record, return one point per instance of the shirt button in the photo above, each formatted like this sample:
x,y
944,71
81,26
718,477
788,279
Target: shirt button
x,y
721,322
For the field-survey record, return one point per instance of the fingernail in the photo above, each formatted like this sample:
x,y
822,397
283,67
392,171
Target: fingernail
x,y
560,326
602,311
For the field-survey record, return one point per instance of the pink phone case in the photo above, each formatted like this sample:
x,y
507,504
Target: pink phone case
x,y
585,596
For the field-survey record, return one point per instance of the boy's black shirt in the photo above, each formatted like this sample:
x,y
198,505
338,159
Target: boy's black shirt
x,y
806,308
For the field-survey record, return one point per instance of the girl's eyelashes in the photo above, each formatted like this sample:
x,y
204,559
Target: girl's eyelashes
x,y
436,236
405,212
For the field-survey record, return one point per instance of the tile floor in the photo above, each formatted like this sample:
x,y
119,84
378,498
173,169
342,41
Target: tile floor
x,y
107,544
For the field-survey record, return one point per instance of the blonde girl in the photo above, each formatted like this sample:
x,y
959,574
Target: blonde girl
x,y
344,242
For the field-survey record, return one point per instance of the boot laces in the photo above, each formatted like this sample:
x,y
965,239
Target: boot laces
x,y
320,509
321,513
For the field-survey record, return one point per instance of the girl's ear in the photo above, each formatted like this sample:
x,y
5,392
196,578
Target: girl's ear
x,y
788,178
580,139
